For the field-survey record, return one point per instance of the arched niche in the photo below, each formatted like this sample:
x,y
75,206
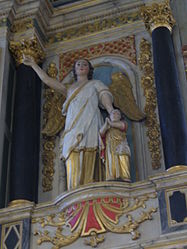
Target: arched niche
x,y
141,160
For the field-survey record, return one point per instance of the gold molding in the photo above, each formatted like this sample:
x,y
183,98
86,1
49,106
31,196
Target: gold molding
x,y
96,26
147,81
19,202
157,15
88,27
30,47
169,193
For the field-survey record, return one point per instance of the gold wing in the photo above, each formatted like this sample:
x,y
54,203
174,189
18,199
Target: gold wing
x,y
123,97
55,120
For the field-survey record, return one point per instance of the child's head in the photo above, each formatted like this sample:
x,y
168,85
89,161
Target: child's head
x,y
115,115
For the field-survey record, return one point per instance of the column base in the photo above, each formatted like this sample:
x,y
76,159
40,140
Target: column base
x,y
177,168
19,202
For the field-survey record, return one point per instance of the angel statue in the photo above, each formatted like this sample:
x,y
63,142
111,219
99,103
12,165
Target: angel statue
x,y
83,119
83,100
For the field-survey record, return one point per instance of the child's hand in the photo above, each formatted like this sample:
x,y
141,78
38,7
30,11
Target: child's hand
x,y
105,127
107,122
110,123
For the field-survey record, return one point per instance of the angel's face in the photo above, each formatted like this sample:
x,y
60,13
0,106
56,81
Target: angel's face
x,y
82,68
115,115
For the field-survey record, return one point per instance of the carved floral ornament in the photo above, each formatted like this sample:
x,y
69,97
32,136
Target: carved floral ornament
x,y
157,15
147,82
92,218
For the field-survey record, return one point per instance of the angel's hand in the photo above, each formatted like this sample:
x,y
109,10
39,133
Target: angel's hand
x,y
28,60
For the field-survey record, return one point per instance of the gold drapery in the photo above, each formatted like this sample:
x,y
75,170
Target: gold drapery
x,y
80,167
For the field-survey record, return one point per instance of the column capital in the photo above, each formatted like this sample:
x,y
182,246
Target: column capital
x,y
157,15
30,46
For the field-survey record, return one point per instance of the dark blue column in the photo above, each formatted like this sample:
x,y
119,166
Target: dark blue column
x,y
26,136
171,112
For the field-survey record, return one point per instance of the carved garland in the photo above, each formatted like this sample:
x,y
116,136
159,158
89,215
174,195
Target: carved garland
x,y
48,154
147,81
93,217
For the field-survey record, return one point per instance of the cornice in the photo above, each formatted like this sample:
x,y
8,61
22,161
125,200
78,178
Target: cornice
x,y
49,32
72,22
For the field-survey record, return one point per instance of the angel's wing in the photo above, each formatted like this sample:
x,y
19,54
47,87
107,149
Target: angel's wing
x,y
55,120
123,97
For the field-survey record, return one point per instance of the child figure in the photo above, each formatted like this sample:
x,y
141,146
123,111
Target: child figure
x,y
115,150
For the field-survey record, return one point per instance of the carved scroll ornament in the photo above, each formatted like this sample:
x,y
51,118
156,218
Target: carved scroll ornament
x,y
93,217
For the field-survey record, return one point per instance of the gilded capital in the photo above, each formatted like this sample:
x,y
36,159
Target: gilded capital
x,y
157,15
29,47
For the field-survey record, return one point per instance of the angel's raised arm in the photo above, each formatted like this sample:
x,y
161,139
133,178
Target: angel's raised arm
x,y
53,83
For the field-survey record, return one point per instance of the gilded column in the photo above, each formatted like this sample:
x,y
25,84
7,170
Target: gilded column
x,y
26,125
159,21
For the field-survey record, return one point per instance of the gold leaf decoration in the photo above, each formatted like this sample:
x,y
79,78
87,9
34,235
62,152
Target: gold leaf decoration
x,y
94,26
52,123
147,81
157,15
93,217
30,47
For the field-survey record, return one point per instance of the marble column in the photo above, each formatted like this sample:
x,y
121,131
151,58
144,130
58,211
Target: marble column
x,y
159,21
26,128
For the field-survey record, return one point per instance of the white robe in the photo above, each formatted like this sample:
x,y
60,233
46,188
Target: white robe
x,y
83,118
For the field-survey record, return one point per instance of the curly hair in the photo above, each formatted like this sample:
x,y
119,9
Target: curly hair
x,y
90,73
